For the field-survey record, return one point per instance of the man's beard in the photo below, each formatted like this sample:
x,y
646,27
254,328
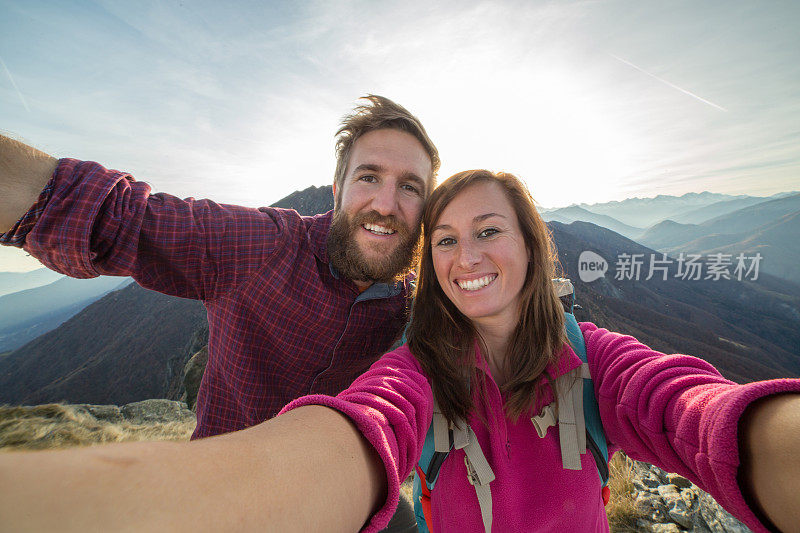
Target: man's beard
x,y
348,259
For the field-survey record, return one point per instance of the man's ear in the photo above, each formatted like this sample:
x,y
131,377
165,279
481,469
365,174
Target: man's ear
x,y
334,193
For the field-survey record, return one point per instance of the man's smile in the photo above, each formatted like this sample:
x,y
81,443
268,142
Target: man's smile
x,y
375,229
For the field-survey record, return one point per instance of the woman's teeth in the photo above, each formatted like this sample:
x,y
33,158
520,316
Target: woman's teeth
x,y
380,230
475,284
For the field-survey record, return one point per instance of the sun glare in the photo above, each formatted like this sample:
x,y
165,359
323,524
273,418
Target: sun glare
x,y
555,132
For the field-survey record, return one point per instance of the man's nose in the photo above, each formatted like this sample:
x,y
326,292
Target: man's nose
x,y
385,200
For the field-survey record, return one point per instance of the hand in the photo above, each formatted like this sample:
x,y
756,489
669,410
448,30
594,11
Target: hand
x,y
770,462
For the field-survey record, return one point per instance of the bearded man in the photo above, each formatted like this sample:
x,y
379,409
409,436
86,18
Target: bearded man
x,y
296,305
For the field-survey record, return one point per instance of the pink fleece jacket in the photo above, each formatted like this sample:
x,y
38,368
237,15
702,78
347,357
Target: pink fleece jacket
x,y
674,411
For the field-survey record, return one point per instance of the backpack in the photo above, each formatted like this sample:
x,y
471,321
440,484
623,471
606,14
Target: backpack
x,y
579,429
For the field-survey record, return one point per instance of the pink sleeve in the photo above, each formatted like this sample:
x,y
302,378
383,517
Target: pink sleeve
x,y
676,412
392,406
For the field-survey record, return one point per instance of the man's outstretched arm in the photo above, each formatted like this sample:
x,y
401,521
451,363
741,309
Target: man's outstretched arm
x,y
24,171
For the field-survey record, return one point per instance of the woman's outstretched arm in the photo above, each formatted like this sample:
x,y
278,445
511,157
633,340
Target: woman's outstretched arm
x,y
307,470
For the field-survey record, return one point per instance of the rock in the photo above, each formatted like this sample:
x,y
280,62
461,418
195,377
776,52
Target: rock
x,y
665,528
669,491
653,507
679,481
193,374
680,508
658,474
106,413
681,513
714,518
670,502
176,365
149,411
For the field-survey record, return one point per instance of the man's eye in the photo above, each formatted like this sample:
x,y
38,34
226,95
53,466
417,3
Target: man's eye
x,y
447,241
369,178
410,188
488,232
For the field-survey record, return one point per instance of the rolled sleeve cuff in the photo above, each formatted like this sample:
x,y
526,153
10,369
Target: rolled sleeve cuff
x,y
60,236
725,455
371,424
16,235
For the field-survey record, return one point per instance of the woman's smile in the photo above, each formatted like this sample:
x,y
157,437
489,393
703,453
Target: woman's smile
x,y
472,285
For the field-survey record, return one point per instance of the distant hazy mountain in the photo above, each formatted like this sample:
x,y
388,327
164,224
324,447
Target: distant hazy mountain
x,y
671,235
751,217
568,215
25,315
644,212
707,212
778,243
784,194
20,281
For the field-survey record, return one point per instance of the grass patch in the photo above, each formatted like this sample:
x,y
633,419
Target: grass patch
x,y
49,426
621,509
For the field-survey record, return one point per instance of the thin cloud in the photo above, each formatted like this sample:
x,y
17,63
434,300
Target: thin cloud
x,y
665,82
10,77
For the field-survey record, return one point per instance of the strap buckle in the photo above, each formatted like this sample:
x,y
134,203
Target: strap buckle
x,y
472,475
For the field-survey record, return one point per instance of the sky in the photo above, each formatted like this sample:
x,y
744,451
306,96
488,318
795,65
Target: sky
x,y
587,101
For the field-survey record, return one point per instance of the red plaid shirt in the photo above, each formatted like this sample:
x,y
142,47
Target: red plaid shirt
x,y
281,322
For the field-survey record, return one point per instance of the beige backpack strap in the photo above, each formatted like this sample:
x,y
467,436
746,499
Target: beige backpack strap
x,y
441,435
479,473
571,423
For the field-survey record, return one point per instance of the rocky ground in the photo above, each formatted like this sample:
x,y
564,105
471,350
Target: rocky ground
x,y
669,503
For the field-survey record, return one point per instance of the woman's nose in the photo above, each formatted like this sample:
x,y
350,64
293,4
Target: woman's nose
x,y
468,255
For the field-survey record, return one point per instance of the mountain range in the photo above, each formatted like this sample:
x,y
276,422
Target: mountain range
x,y
20,281
770,228
24,315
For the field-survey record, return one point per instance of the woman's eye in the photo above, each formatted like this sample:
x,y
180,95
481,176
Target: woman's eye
x,y
447,241
488,232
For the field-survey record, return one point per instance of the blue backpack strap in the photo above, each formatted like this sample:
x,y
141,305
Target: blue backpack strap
x,y
430,462
416,491
596,441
